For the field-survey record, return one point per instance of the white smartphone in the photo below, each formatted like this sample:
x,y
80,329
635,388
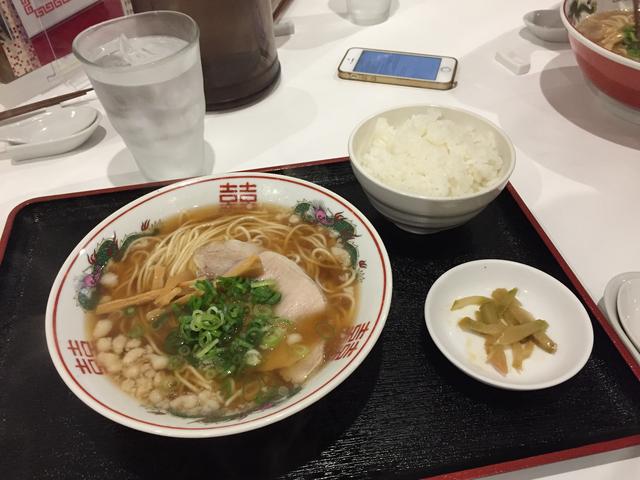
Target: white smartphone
x,y
399,68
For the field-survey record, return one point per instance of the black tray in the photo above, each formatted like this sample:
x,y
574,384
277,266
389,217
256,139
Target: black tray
x,y
406,412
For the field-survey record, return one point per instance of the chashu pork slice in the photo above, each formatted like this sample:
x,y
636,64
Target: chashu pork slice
x,y
216,258
300,371
300,295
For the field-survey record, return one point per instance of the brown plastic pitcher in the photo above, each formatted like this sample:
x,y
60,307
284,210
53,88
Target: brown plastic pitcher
x,y
239,57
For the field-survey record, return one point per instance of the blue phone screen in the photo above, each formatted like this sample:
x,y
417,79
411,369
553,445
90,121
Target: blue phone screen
x,y
398,65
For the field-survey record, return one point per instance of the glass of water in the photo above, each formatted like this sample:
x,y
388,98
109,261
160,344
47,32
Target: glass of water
x,y
368,12
146,71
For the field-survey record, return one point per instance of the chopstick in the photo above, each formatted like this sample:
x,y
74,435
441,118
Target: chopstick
x,y
14,112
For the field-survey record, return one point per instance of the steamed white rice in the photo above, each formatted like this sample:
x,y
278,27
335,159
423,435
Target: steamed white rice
x,y
428,155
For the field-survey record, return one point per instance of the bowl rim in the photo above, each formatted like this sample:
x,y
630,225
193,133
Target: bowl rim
x,y
407,195
82,57
574,33
505,384
273,414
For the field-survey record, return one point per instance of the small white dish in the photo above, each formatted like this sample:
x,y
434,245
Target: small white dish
x,y
51,147
52,124
546,25
628,303
544,296
610,307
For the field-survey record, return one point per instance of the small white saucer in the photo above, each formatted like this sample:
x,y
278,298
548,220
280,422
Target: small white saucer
x,y
546,25
610,307
544,296
629,309
53,146
52,124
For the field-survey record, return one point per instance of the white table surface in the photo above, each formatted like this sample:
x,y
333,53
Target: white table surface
x,y
578,165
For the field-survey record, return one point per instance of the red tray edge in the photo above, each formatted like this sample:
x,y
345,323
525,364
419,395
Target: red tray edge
x,y
483,471
582,292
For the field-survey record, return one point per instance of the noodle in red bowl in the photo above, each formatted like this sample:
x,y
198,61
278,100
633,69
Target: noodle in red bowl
x,y
602,37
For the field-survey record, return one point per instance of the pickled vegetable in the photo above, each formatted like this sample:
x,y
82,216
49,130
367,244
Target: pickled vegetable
x,y
470,325
516,333
498,359
544,342
489,312
541,339
505,298
467,301
517,350
521,315
489,342
527,350
505,324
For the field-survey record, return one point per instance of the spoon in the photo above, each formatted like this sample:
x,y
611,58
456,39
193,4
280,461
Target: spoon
x,y
629,309
13,140
50,147
49,125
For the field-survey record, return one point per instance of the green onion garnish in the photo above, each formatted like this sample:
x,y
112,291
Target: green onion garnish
x,y
228,386
175,362
136,331
224,329
273,338
159,321
325,330
184,350
203,351
300,350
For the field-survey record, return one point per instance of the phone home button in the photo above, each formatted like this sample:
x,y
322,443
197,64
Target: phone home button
x,y
445,69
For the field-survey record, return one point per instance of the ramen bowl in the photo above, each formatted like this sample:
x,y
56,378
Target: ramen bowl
x,y
614,75
424,214
75,355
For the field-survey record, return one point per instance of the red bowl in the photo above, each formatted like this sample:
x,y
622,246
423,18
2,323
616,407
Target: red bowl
x,y
613,74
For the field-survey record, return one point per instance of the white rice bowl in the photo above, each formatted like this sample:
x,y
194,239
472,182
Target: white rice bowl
x,y
429,168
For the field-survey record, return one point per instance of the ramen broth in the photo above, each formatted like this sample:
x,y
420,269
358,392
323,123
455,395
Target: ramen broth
x,y
613,30
132,340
